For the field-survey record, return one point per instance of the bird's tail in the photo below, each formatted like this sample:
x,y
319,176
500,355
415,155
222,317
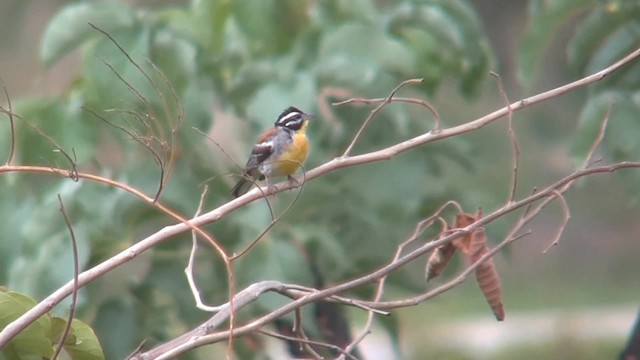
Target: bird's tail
x,y
241,187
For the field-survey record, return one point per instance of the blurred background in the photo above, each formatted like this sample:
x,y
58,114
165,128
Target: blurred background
x,y
235,65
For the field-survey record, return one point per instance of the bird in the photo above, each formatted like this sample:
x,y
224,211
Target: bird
x,y
280,151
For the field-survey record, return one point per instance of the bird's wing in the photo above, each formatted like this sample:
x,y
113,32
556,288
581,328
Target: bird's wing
x,y
262,150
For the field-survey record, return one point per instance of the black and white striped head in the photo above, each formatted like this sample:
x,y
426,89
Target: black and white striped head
x,y
292,119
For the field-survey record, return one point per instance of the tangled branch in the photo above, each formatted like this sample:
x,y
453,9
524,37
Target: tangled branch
x,y
208,332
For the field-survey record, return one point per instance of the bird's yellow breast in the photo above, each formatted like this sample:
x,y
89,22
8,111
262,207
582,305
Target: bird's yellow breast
x,y
294,156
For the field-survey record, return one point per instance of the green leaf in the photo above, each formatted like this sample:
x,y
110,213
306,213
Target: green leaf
x,y
13,214
60,122
608,34
348,11
45,237
86,345
70,27
106,69
608,30
58,325
623,130
444,35
269,26
589,123
357,54
211,19
176,58
33,340
546,17
276,96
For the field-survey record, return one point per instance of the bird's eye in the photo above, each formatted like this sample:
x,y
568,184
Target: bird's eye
x,y
291,118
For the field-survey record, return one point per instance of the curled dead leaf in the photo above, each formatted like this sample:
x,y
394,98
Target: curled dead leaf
x,y
438,260
486,274
474,246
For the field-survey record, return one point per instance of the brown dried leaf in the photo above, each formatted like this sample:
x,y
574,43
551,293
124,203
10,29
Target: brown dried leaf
x,y
486,274
474,246
463,243
440,256
438,260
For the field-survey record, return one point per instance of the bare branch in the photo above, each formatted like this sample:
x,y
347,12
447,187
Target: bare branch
x,y
512,136
376,110
420,140
214,215
189,269
274,221
565,220
9,112
166,165
126,54
599,137
74,294
302,339
70,173
412,301
420,102
419,229
307,342
202,335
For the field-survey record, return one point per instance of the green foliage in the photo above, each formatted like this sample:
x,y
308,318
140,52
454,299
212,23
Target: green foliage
x,y
203,66
546,17
39,340
605,32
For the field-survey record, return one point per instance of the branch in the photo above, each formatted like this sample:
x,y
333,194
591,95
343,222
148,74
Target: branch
x,y
512,136
12,124
76,266
202,334
212,216
376,110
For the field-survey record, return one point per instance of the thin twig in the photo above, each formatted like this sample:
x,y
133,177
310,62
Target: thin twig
x,y
376,110
9,112
70,173
255,182
165,168
201,336
192,255
599,137
420,102
137,350
302,339
415,300
565,220
74,293
173,150
273,221
307,341
512,136
136,137
15,327
532,210
126,54
419,230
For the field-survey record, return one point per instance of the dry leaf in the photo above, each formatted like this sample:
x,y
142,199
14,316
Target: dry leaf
x,y
440,256
463,243
486,274
474,246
